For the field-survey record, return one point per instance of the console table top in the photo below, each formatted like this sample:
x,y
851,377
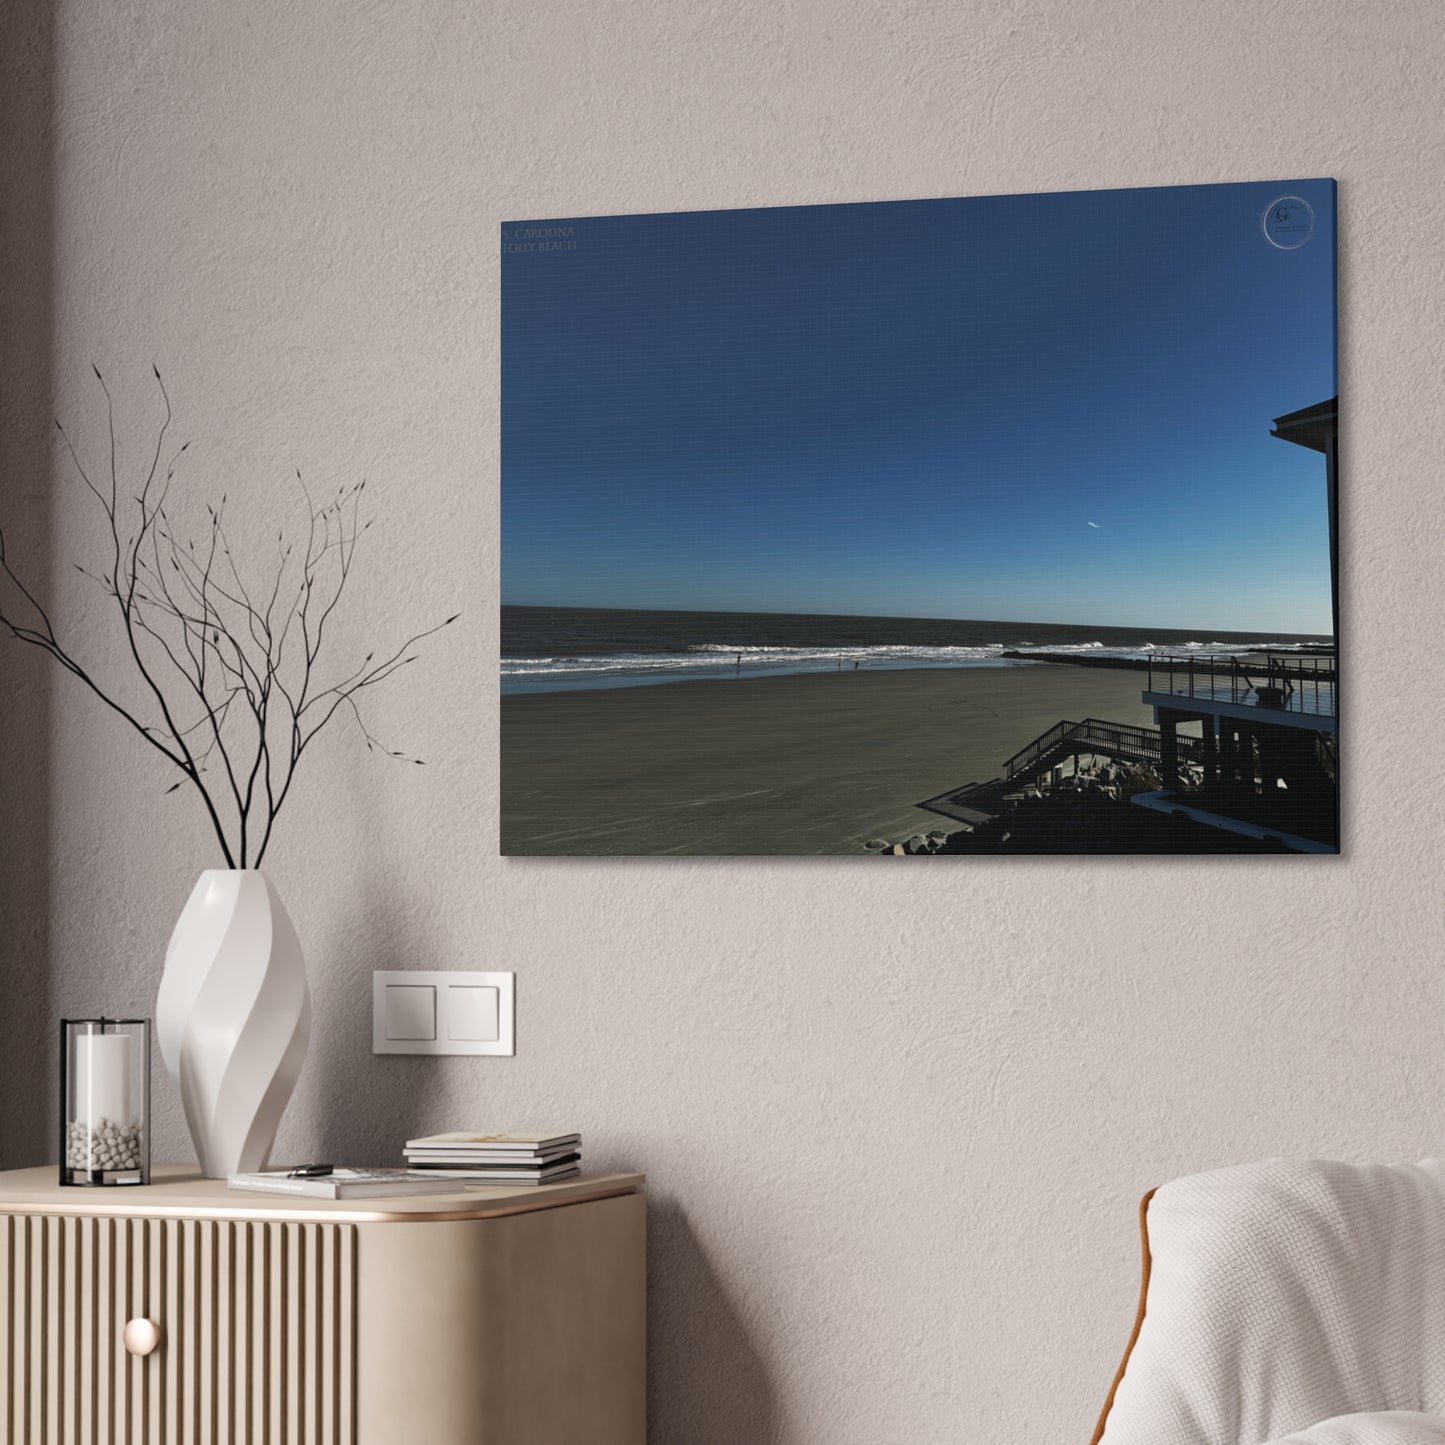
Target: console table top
x,y
178,1191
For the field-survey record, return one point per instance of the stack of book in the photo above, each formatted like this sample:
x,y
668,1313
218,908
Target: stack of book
x,y
473,1159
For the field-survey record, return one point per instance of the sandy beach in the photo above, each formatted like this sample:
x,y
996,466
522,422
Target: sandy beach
x,y
811,764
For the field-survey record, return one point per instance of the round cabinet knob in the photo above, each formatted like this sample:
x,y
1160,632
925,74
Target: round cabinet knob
x,y
141,1336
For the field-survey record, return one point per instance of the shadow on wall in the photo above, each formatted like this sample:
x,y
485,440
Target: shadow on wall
x,y
366,1105
707,1384
27,50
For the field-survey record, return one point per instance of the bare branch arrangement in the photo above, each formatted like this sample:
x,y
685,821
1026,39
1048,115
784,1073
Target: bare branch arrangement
x,y
233,693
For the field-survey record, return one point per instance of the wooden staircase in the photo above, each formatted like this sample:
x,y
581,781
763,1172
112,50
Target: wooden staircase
x,y
975,803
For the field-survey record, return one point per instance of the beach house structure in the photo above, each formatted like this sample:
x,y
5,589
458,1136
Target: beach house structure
x,y
1266,761
1317,427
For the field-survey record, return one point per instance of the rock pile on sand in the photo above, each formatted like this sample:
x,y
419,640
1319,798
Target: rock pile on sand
x,y
1088,814
919,843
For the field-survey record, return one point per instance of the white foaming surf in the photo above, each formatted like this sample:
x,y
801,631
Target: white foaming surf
x,y
723,659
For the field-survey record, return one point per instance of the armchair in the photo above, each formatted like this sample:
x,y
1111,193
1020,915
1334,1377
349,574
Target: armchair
x,y
1290,1302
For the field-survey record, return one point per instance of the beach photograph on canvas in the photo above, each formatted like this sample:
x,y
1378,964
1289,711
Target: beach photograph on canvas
x,y
969,526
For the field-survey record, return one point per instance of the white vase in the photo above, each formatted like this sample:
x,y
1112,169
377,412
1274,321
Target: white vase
x,y
233,1017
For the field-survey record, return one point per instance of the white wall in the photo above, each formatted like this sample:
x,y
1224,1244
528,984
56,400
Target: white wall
x,y
895,1118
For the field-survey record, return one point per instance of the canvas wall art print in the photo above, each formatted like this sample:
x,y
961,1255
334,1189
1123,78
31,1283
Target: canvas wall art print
x,y
923,528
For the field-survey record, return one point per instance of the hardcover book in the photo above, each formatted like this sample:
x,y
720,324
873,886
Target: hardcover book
x,y
343,1183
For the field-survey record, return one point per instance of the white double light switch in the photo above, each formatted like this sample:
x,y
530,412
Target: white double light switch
x,y
416,1012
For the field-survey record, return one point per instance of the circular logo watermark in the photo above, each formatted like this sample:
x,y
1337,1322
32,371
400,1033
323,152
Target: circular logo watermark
x,y
1288,223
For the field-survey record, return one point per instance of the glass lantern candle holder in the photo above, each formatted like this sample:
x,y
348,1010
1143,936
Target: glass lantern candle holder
x,y
105,1101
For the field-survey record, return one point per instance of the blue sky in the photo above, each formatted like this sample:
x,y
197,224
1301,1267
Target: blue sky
x,y
917,408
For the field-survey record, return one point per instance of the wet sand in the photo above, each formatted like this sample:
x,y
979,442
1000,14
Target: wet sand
x,y
809,764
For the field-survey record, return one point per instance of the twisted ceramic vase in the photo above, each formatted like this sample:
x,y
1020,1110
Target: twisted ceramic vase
x,y
233,1017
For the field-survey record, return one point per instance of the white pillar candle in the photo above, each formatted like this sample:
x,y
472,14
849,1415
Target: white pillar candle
x,y
102,1078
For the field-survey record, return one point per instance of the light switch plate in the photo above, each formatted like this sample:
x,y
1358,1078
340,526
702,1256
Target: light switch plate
x,y
418,1011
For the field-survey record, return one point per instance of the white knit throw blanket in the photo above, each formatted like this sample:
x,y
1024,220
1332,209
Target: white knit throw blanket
x,y
1375,1427
1296,1301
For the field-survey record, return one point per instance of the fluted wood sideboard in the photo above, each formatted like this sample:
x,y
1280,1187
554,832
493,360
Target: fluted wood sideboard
x,y
184,1313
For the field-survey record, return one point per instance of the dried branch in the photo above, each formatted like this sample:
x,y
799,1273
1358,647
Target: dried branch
x,y
199,638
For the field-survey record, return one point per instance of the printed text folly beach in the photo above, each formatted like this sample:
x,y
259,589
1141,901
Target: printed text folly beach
x,y
519,239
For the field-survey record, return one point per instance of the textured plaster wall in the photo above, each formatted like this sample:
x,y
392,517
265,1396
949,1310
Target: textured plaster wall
x,y
895,1118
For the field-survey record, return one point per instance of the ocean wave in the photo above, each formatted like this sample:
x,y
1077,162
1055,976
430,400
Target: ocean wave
x,y
710,657
713,658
